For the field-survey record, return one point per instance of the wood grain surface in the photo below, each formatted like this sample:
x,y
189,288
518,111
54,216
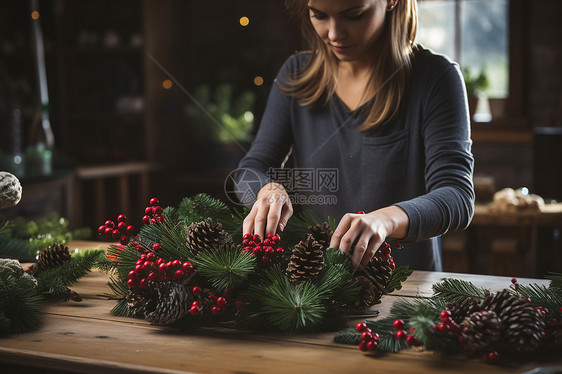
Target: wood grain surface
x,y
84,337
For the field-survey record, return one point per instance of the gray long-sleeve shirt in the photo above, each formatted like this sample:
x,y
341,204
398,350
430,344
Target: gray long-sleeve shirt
x,y
420,161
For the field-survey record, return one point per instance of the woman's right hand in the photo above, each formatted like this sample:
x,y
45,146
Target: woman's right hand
x,y
270,212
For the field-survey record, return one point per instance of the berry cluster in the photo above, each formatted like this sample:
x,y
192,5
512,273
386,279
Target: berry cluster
x,y
401,334
217,304
150,268
267,251
152,213
369,340
121,231
448,326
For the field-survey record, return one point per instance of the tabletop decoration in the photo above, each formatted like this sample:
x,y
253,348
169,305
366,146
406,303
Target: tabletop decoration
x,y
189,266
515,323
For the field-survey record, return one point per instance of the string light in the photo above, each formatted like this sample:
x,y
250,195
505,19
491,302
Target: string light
x,y
167,84
35,15
258,81
244,21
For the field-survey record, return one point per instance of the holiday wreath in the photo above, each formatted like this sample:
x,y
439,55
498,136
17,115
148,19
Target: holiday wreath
x,y
190,266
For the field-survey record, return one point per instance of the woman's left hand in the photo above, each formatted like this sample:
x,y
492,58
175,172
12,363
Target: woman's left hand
x,y
360,235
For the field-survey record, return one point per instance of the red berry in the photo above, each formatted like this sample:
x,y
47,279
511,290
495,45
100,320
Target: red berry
x,y
196,304
363,346
276,238
492,357
228,292
239,304
194,310
221,301
143,283
115,234
411,330
148,211
245,242
280,250
130,229
187,267
361,326
397,244
256,238
162,268
247,236
366,335
131,283
121,218
154,201
124,240
101,229
513,280
375,336
109,224
157,210
176,264
146,220
108,231
445,315
122,226
152,277
372,345
411,340
443,327
156,247
256,250
151,257
360,212
196,291
398,324
385,251
401,334
132,274
179,275
527,299
215,310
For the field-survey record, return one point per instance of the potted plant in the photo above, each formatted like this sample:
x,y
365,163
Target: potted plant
x,y
221,124
476,84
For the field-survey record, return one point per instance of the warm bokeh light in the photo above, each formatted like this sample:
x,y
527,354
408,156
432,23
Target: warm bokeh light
x,y
258,81
244,21
35,14
167,84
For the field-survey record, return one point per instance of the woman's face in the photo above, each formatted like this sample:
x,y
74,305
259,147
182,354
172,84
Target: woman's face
x,y
349,27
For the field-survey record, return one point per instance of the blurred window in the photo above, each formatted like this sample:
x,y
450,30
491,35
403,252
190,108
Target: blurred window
x,y
472,32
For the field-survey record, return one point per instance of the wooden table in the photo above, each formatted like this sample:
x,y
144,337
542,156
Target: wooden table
x,y
84,337
518,234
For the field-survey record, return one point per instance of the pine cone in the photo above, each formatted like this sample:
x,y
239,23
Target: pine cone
x,y
379,271
322,234
206,235
481,331
524,325
306,262
140,302
52,257
173,302
369,294
463,308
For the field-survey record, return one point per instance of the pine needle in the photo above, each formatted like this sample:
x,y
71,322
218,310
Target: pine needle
x,y
399,275
348,336
225,267
451,290
20,304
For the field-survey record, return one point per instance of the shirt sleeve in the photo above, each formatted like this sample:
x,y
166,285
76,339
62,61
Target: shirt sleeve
x,y
272,142
449,202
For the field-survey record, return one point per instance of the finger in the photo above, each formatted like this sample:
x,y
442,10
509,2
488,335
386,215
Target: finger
x,y
286,213
374,243
360,250
349,240
260,219
340,231
274,214
248,224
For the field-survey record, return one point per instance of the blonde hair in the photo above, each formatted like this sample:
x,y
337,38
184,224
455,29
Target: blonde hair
x,y
315,84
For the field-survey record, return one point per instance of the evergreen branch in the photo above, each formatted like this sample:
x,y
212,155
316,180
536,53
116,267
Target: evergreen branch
x,y
399,275
171,236
119,287
56,280
201,206
349,336
121,309
124,259
337,281
20,304
389,343
297,227
225,267
433,341
451,290
555,280
233,225
546,297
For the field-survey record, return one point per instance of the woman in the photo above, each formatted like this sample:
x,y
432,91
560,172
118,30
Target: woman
x,y
389,118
